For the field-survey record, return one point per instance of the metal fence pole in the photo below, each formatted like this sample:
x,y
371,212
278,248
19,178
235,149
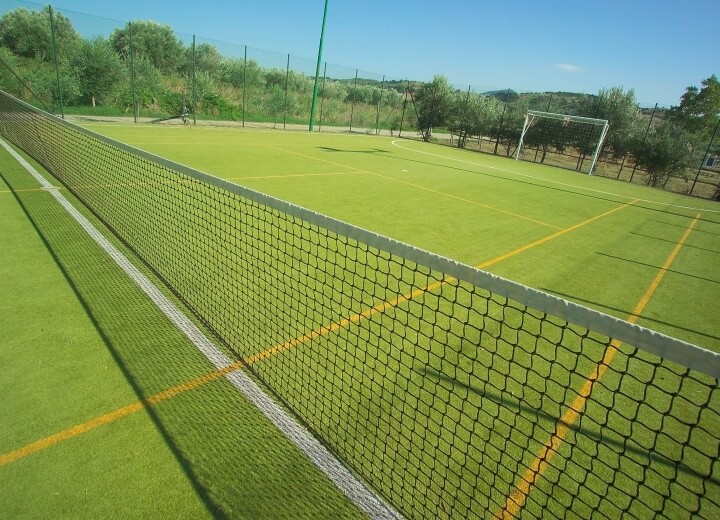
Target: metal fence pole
x,y
244,86
502,120
55,55
352,101
377,118
642,146
322,98
136,108
194,85
707,152
287,77
402,117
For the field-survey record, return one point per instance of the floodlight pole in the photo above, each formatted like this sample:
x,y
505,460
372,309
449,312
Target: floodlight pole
x,y
55,55
317,70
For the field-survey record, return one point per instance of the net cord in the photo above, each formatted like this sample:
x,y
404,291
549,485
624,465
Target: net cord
x,y
673,349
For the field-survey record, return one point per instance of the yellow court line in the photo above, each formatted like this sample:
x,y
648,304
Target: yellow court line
x,y
418,186
517,498
291,175
113,416
500,258
24,190
269,352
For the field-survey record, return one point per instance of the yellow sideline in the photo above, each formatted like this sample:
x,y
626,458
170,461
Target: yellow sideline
x,y
517,498
109,417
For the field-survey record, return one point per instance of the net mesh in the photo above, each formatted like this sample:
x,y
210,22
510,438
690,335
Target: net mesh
x,y
448,398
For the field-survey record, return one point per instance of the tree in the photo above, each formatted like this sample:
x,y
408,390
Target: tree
x,y
28,34
234,73
157,43
625,121
207,60
667,151
434,103
99,69
699,110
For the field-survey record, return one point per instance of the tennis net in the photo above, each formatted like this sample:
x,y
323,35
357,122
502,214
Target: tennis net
x,y
452,392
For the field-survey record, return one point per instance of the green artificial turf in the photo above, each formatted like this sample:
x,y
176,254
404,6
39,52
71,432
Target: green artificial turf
x,y
79,341
441,417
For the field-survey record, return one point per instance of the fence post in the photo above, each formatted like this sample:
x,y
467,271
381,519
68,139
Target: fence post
x,y
377,118
322,97
244,86
352,102
502,120
642,146
194,85
132,74
402,117
287,77
317,70
55,55
707,152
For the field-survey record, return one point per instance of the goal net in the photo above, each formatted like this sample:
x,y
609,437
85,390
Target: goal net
x,y
562,140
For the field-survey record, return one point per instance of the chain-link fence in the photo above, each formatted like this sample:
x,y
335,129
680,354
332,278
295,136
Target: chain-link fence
x,y
87,66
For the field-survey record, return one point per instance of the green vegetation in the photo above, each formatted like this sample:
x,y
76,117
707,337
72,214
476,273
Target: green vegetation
x,y
142,69
673,148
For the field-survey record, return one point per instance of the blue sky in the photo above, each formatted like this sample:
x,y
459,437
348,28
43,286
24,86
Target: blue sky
x,y
658,48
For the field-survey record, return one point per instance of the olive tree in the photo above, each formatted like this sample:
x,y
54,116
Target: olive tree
x,y
434,104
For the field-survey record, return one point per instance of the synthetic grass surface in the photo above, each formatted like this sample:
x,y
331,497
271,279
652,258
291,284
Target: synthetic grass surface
x,y
421,206
476,208
80,341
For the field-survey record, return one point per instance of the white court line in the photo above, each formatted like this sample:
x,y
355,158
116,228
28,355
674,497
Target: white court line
x,y
354,489
395,143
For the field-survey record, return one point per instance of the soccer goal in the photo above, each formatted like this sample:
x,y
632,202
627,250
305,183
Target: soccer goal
x,y
562,140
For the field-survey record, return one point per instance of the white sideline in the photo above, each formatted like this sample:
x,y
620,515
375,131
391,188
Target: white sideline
x,y
566,184
354,489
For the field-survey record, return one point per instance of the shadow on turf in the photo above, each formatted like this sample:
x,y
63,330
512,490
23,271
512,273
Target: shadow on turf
x,y
515,405
657,267
237,463
685,227
624,312
674,242
640,204
370,151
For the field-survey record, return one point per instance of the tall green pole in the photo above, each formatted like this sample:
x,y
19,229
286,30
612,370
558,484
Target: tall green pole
x,y
194,85
55,54
136,108
317,70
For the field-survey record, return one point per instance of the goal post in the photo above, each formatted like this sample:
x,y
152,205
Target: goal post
x,y
561,139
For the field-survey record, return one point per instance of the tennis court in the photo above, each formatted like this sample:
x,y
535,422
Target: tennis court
x,y
478,208
448,398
